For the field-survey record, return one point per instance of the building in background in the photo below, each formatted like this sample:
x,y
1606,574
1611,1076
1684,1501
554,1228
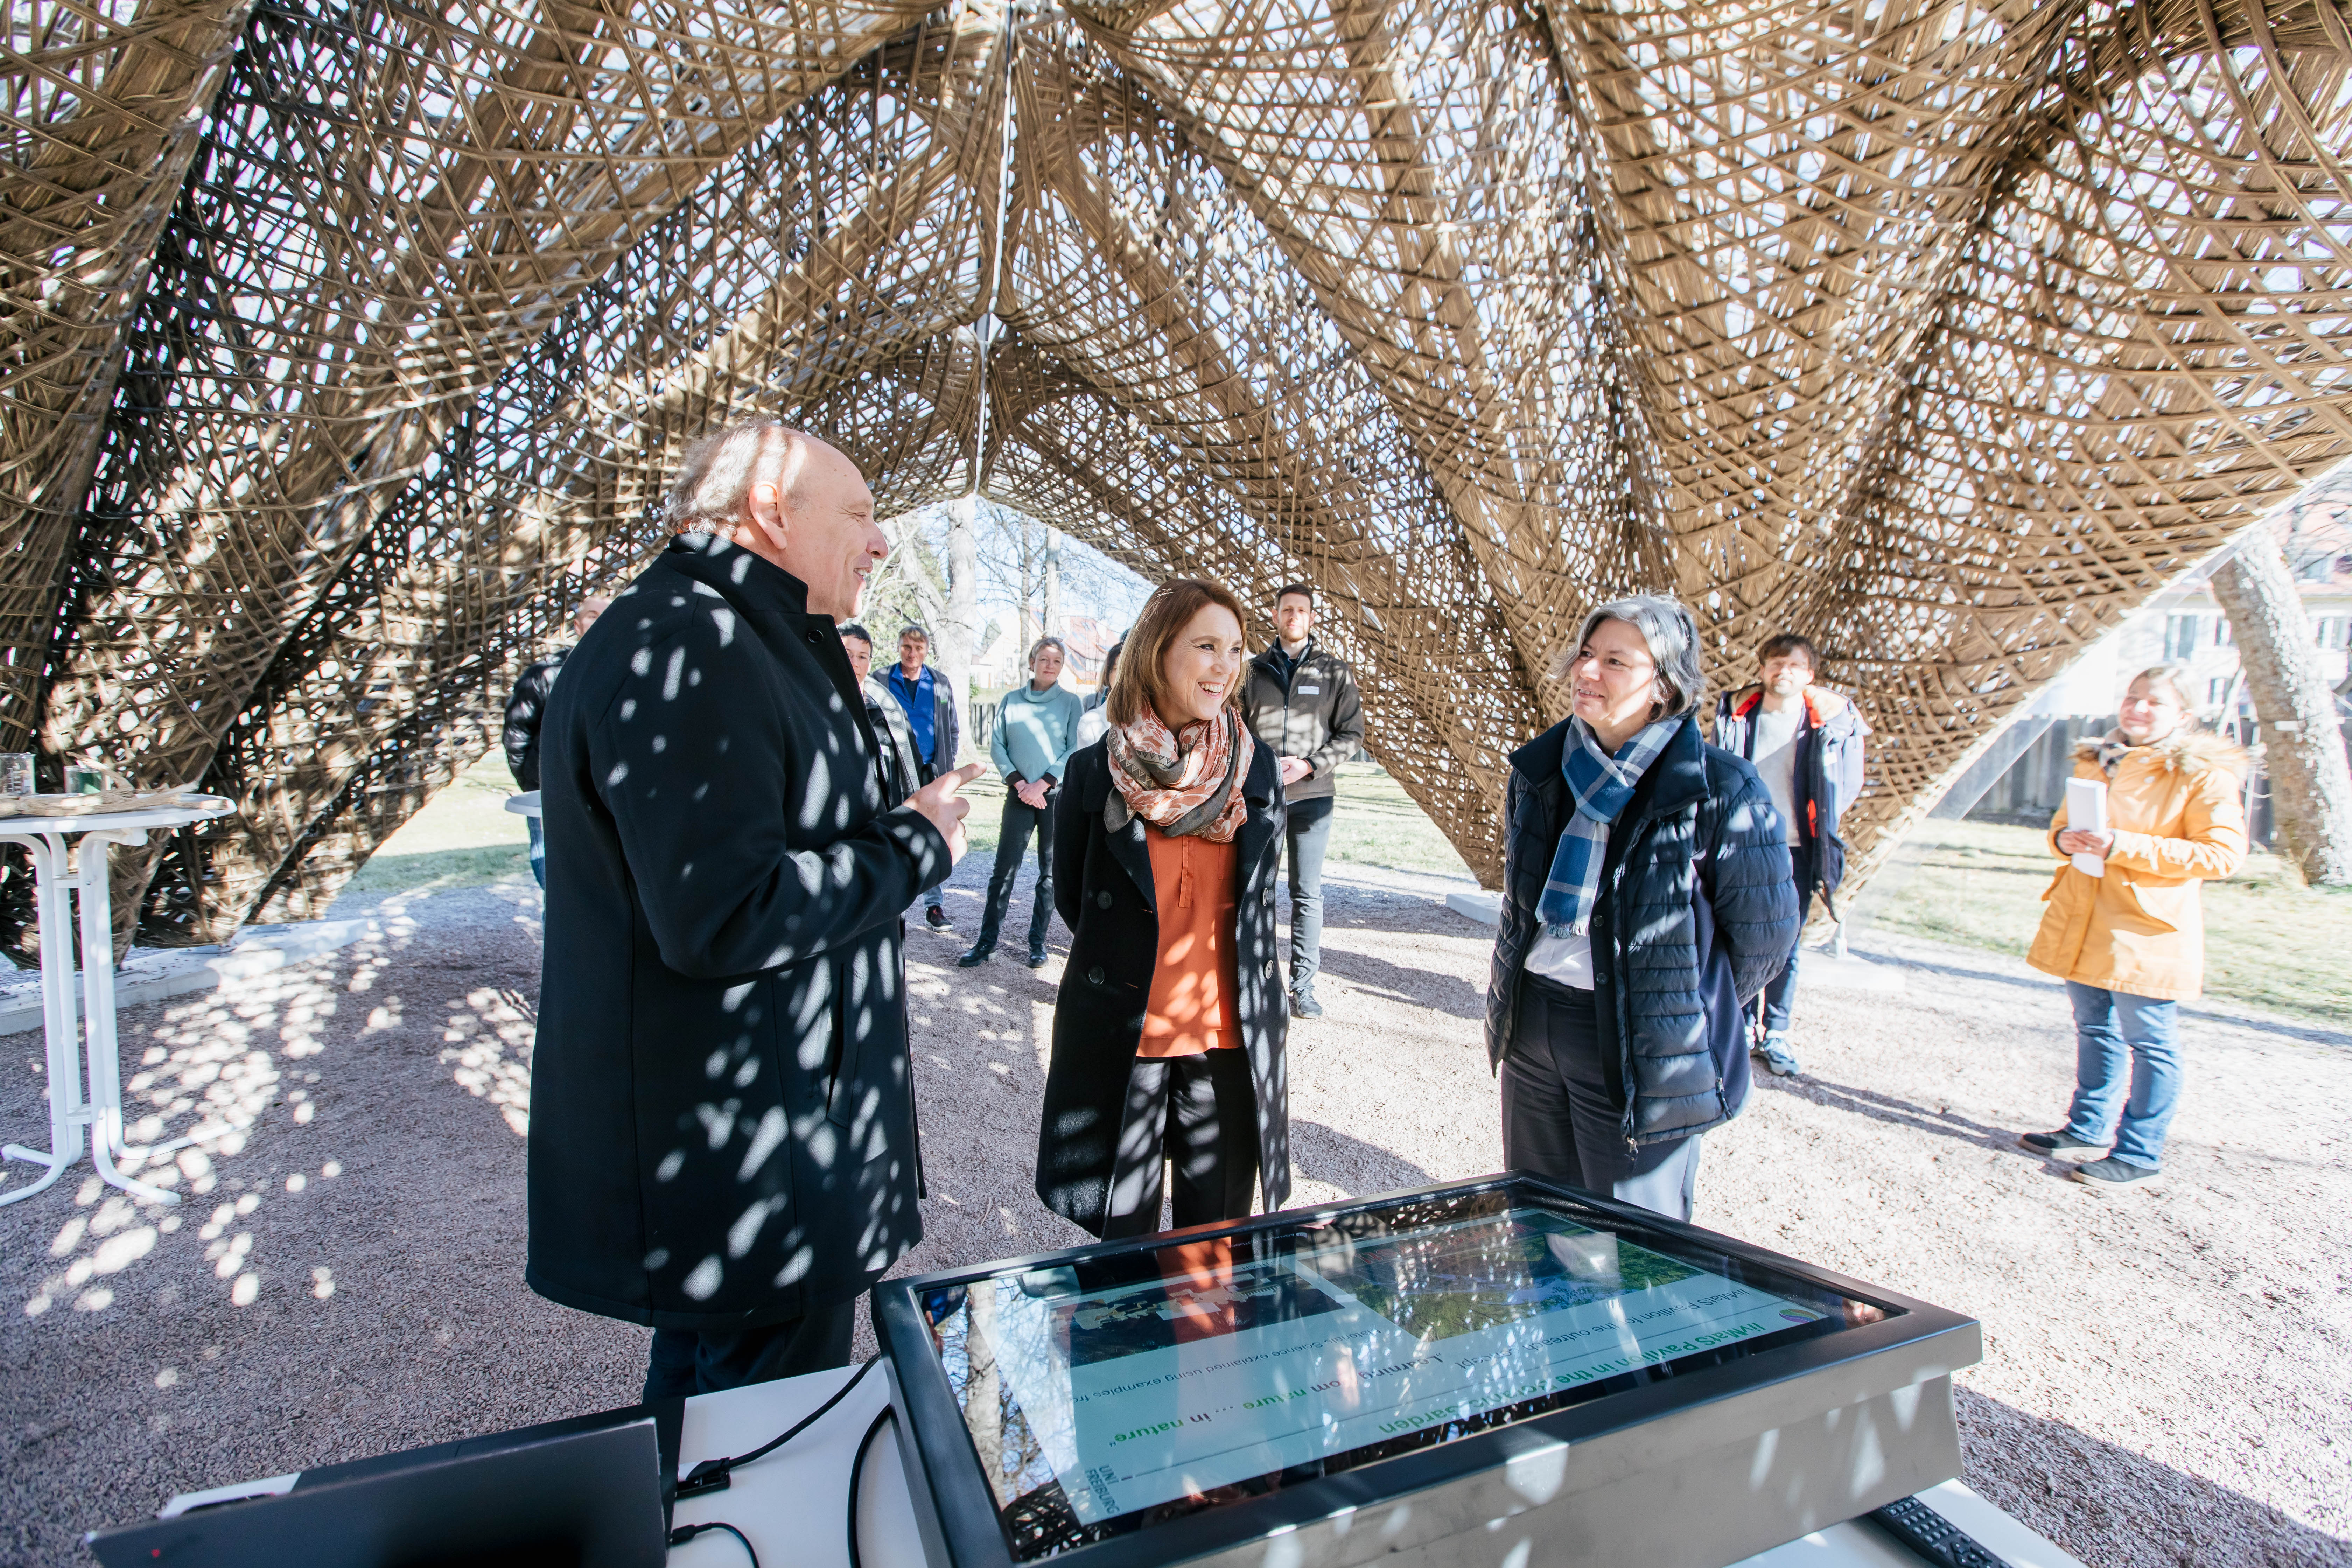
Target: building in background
x,y
2185,626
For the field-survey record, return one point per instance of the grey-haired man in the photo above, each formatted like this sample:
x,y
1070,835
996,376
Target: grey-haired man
x,y
722,1116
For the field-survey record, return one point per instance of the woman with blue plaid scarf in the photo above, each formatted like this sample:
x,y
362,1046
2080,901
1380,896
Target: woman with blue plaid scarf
x,y
1647,898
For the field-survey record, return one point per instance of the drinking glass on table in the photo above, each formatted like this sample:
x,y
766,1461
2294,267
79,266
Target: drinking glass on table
x,y
15,773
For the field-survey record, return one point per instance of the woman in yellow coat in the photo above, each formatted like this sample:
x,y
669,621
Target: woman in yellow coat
x,y
2130,943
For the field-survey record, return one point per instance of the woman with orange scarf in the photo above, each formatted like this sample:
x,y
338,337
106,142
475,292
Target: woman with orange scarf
x,y
1170,1026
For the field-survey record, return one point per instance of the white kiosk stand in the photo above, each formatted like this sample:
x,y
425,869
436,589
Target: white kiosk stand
x,y
1496,1373
47,826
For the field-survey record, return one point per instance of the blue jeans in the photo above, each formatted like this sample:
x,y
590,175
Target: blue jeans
x,y
1308,824
537,851
1781,994
2121,1040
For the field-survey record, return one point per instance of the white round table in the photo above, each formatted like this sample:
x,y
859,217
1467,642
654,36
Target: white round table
x,y
84,1041
524,804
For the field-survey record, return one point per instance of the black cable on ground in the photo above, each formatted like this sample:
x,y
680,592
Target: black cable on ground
x,y
858,1467
685,1532
711,1476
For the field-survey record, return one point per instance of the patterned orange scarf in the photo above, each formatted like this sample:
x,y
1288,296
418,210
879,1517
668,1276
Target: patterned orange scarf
x,y
1186,784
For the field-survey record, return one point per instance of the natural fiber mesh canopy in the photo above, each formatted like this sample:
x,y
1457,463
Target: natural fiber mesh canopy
x,y
350,345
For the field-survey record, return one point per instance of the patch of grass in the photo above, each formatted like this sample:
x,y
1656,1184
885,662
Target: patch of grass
x,y
2270,941
985,825
1377,824
386,873
464,837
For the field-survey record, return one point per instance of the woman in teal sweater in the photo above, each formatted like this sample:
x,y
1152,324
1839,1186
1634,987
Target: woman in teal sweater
x,y
1036,730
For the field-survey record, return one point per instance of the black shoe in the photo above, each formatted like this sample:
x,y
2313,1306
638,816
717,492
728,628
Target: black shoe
x,y
1304,1005
2111,1173
974,957
2054,1144
1037,956
936,918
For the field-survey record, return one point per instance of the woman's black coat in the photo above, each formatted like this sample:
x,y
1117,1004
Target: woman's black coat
x,y
721,1115
1697,914
1102,886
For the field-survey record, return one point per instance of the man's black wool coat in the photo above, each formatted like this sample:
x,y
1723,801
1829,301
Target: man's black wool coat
x,y
1102,886
722,1118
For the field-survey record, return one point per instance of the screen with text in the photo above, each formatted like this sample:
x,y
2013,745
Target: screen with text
x,y
1110,1393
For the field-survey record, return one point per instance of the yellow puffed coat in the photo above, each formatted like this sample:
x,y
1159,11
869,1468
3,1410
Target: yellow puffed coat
x,y
2179,820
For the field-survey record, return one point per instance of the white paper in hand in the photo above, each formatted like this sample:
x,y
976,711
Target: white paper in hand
x,y
2086,809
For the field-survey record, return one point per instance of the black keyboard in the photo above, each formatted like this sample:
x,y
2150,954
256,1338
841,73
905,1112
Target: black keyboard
x,y
1933,1536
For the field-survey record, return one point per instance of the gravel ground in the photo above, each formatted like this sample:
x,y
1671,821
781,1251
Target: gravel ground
x,y
2167,1377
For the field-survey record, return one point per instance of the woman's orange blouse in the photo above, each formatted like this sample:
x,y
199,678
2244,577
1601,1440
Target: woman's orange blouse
x,y
1195,982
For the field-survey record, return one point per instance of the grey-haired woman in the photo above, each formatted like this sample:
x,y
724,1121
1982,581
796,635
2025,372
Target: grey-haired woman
x,y
1646,898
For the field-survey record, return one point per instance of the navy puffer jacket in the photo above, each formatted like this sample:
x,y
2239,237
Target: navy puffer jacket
x,y
1697,914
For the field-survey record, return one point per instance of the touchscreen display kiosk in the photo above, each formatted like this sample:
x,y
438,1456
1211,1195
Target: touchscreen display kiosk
x,y
1122,1389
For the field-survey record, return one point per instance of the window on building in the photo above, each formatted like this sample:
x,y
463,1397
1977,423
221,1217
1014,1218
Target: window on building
x,y
2222,635
2334,632
2180,636
2217,691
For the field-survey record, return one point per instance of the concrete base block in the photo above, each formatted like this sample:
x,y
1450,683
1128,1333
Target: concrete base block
x,y
1484,909
149,975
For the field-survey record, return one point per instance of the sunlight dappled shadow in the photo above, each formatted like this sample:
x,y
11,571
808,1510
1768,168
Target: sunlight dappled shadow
x,y
488,1040
228,1078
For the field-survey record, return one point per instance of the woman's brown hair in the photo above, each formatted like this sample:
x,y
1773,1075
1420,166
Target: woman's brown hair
x,y
1136,683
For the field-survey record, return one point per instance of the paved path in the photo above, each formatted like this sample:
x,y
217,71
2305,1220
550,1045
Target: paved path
x,y
2168,1376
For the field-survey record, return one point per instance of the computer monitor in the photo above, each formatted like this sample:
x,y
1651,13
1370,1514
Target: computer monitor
x,y
1277,1369
580,1494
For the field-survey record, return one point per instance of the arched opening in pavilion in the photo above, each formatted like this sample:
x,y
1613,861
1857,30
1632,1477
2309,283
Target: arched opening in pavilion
x,y
354,343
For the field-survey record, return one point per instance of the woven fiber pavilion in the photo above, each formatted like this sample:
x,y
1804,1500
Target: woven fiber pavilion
x,y
349,344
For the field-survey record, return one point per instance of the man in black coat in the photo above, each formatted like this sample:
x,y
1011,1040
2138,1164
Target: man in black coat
x,y
526,706
723,1139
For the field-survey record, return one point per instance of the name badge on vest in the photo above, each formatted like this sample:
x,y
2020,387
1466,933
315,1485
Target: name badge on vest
x,y
1310,692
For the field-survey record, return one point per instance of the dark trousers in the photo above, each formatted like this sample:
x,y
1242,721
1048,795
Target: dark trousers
x,y
925,773
1199,1114
1012,842
1780,995
685,1363
1307,825
1560,1122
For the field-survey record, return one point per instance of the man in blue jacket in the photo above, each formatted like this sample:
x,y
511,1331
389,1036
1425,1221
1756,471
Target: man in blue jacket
x,y
1806,743
924,697
526,707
